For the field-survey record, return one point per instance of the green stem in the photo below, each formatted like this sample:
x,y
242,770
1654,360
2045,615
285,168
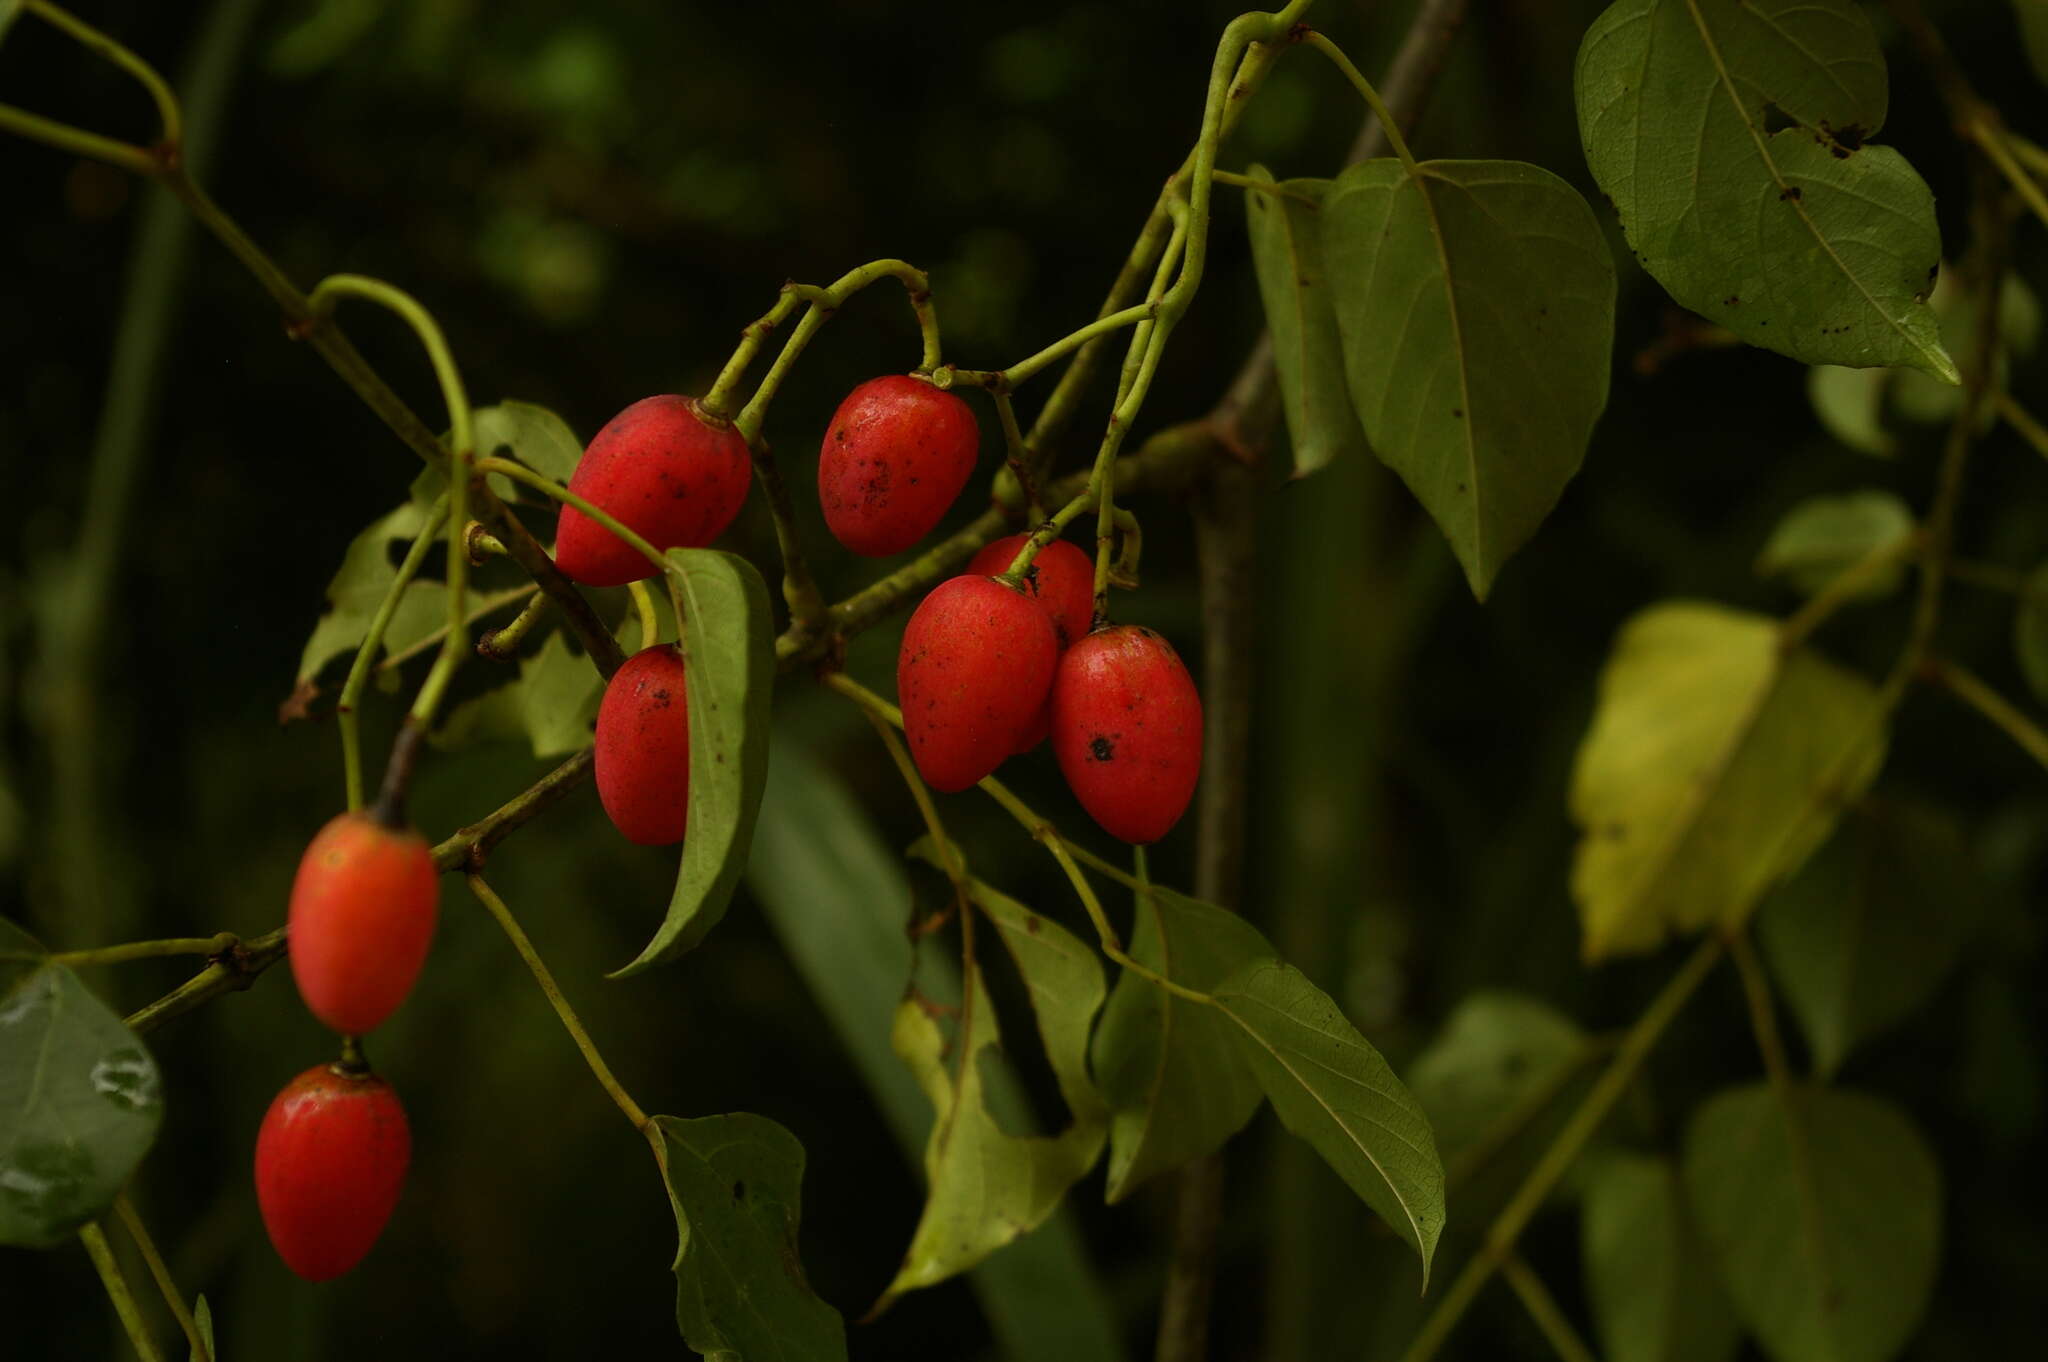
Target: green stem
x,y
718,403
111,1276
602,1071
470,846
521,473
948,862
78,141
502,644
137,1231
643,608
1842,588
824,302
1542,1307
1007,380
148,950
1968,687
1991,141
807,609
347,718
1267,187
233,972
171,131
1557,1160
1054,525
1016,457
1371,97
2025,422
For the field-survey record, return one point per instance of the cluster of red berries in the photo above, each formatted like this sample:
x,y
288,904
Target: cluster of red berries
x,y
332,1152
990,667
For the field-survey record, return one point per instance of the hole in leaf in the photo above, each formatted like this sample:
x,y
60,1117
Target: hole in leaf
x,y
1776,120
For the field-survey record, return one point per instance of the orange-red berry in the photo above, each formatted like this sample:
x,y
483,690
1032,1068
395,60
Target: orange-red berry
x,y
362,916
1127,731
976,664
1062,579
666,471
643,748
895,457
330,1160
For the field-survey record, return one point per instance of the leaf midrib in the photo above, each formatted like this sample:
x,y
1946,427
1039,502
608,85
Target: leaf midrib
x,y
1470,424
1798,203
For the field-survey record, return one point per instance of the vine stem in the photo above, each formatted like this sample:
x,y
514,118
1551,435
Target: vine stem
x,y
823,303
1635,1048
519,472
1968,687
109,1267
347,720
2025,422
170,121
125,1209
1543,1309
643,609
64,137
147,950
1842,588
1371,97
501,644
541,975
234,971
948,862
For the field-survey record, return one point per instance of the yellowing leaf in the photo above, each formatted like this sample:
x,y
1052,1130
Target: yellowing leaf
x,y
1714,766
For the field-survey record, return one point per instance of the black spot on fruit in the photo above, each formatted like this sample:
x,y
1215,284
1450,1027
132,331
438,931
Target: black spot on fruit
x,y
1101,748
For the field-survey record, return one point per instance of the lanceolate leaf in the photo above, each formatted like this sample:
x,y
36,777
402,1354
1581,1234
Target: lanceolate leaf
x,y
1823,1212
1652,1288
1287,255
550,705
987,1186
836,894
1176,1083
1733,139
735,1184
1869,929
1476,305
729,661
1715,764
1333,1090
80,1098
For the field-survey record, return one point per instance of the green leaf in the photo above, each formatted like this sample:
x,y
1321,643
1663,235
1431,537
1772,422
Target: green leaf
x,y
1823,1212
1714,766
729,661
550,705
1287,255
1648,1278
202,1315
1476,305
80,1097
2030,631
987,1186
1732,137
1863,935
367,572
1823,537
531,434
735,1183
1849,404
836,896
1332,1089
1176,1085
1497,1051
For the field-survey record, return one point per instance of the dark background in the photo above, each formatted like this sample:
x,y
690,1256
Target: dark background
x,y
593,200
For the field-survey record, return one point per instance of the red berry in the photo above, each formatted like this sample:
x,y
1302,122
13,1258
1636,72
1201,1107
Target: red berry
x,y
896,455
643,748
361,919
668,472
1062,578
1127,731
330,1160
977,662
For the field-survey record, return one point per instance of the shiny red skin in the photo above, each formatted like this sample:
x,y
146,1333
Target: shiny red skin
x,y
976,664
1062,578
643,748
330,1161
668,473
361,918
895,457
1127,731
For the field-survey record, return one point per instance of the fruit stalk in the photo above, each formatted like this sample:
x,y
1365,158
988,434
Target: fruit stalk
x,y
146,1245
109,1267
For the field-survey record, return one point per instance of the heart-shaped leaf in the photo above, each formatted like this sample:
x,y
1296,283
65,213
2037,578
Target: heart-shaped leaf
x,y
1733,139
1286,227
1476,304
1823,537
1648,1277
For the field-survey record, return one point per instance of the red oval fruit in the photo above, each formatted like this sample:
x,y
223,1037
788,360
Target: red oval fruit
x,y
668,472
1127,731
896,455
330,1160
976,664
643,748
1062,579
361,919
